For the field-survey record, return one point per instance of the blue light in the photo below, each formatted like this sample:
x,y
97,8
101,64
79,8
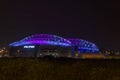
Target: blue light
x,y
29,46
83,45
53,40
43,39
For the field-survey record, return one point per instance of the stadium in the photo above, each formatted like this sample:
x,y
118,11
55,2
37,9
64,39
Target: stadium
x,y
41,45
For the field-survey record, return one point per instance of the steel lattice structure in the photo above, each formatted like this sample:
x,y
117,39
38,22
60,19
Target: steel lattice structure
x,y
43,39
53,40
83,45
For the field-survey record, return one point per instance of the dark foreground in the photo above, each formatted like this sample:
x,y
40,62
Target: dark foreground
x,y
59,69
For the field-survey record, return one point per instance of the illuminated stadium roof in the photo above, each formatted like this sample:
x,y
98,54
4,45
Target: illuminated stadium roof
x,y
53,40
84,45
43,39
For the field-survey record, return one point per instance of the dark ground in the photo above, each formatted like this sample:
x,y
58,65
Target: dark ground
x,y
59,69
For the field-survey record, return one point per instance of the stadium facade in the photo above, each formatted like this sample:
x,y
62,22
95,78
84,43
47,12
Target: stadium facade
x,y
41,45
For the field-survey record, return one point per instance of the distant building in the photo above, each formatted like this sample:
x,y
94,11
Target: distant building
x,y
3,52
41,45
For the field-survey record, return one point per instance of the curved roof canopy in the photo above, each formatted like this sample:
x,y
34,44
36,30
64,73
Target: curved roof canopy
x,y
83,44
43,39
48,39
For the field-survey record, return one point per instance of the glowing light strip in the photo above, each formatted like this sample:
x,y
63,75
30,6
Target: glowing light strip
x,y
29,46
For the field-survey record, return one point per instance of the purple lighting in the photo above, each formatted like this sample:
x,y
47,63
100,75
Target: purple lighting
x,y
53,40
43,39
84,45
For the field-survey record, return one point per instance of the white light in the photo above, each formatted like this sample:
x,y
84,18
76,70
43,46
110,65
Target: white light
x,y
29,46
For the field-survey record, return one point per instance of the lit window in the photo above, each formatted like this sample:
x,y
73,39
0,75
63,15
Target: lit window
x,y
29,46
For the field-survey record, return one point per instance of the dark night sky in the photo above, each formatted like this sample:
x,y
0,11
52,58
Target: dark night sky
x,y
97,22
